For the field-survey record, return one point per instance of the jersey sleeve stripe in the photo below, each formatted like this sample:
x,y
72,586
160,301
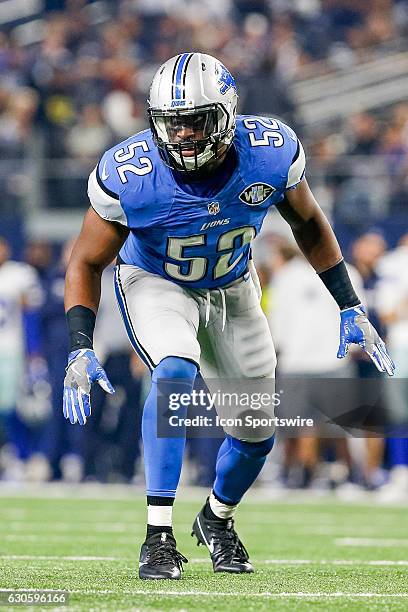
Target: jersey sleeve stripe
x,y
297,168
296,155
106,206
110,193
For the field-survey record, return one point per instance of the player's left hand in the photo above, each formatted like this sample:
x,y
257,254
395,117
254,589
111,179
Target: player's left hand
x,y
355,328
82,371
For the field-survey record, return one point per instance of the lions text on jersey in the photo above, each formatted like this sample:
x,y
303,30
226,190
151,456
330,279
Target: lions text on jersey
x,y
192,240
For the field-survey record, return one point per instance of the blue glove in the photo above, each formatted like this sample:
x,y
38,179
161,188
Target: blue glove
x,y
82,371
355,328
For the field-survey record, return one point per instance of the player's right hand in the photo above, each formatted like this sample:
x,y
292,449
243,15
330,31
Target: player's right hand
x,y
82,371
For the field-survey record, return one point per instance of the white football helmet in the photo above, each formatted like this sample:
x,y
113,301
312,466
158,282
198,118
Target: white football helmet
x,y
192,108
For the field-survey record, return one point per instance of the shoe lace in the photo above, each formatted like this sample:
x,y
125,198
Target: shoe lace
x,y
230,546
166,552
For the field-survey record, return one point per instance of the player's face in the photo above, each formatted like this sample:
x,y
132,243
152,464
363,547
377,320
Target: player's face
x,y
192,135
189,128
187,133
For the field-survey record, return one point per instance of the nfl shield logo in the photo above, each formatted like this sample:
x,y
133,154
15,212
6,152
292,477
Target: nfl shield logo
x,y
214,208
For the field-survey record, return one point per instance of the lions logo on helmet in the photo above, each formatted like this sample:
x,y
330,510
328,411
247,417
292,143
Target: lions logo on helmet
x,y
226,80
192,109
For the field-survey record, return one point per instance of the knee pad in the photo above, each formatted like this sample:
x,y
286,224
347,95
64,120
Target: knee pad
x,y
175,368
253,449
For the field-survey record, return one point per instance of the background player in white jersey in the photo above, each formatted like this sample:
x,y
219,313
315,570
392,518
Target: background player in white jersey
x,y
313,314
20,298
180,203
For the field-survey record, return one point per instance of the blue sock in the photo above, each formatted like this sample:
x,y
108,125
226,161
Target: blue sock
x,y
238,465
163,457
398,451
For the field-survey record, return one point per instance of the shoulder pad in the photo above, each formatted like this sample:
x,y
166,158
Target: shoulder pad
x,y
118,166
273,148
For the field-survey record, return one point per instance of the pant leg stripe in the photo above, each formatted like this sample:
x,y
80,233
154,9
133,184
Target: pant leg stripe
x,y
124,311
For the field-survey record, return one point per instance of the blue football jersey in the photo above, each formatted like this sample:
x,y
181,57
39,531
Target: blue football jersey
x,y
189,239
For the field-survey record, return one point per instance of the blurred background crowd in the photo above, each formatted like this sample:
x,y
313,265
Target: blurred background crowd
x,y
74,77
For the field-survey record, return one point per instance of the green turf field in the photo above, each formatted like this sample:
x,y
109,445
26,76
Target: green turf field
x,y
309,553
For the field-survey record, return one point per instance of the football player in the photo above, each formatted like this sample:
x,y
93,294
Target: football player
x,y
179,205
21,365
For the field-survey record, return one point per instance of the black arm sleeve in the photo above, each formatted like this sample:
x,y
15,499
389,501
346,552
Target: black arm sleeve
x,y
338,283
81,325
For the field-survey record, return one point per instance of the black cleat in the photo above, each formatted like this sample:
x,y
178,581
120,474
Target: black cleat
x,y
227,552
159,558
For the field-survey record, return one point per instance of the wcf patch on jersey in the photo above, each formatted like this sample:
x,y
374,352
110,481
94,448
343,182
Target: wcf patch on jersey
x,y
256,193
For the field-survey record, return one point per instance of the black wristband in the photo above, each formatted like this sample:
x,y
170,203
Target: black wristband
x,y
338,282
81,325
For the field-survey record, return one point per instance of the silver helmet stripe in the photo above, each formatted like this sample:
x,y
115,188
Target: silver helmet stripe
x,y
185,75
